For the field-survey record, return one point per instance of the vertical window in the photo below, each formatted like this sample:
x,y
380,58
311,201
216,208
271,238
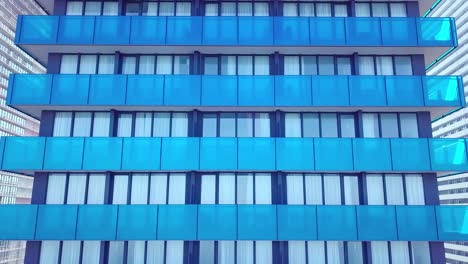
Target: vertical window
x,y
403,65
62,124
240,65
124,128
328,125
87,64
74,8
313,65
381,10
385,65
147,124
143,124
390,125
236,8
82,124
244,124
315,9
69,64
56,188
152,64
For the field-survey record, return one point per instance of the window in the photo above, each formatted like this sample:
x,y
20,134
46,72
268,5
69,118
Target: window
x,y
237,65
244,8
152,124
315,9
87,64
92,8
317,65
156,64
157,8
81,124
385,65
236,125
319,125
390,125
381,10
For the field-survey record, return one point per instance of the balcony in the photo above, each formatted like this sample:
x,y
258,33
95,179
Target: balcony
x,y
40,35
233,154
233,222
32,93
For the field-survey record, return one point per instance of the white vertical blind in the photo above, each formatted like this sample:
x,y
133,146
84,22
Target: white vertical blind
x,y
375,189
120,189
228,9
292,125
146,65
101,124
93,8
263,252
226,252
366,65
71,252
335,252
295,188
414,189
158,192
155,252
245,65
351,190
306,9
289,9
398,10
56,188
341,11
227,188
262,125
384,65
420,252
363,10
316,251
69,63
143,122
124,126
136,252
82,125
91,252
262,188
129,65
174,252
161,124
379,252
179,125
245,254
106,64
370,125
313,188
400,252
291,65
245,188
176,189
62,124
355,253
116,251
88,63
323,9
164,63
76,188
208,189
74,8
183,9
139,193
394,189
261,9
96,188
262,65
297,252
332,189
207,252
380,10
49,252
211,9
110,9
166,9
244,9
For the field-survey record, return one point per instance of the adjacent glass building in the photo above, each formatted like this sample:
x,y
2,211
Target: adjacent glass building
x,y
235,132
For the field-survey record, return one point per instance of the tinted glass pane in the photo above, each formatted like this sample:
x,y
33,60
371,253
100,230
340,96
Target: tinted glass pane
x,y
326,66
209,125
227,125
310,125
409,126
329,125
389,125
211,66
245,125
347,126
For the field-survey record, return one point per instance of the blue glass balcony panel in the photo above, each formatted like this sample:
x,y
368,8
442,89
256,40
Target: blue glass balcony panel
x,y
23,153
367,91
333,154
137,222
30,89
326,31
56,222
375,222
416,223
63,153
112,30
436,32
452,223
330,91
18,222
218,154
219,90
371,154
141,154
76,29
256,91
177,222
404,90
182,90
255,31
150,30
363,31
180,153
107,89
399,31
256,154
293,90
410,154
145,90
336,223
97,222
184,31
102,154
217,222
297,222
448,154
295,154
291,31
38,29
219,30
443,91
256,222
70,89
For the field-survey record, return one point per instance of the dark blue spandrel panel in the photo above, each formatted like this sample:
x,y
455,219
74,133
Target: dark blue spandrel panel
x,y
404,90
219,30
256,222
31,89
291,31
182,90
112,30
372,154
150,30
184,30
63,153
327,31
218,154
363,31
177,222
448,154
102,153
256,91
70,89
452,223
38,30
333,154
256,154
56,222
137,222
295,154
293,91
141,154
436,32
297,222
336,222
107,89
367,91
145,90
255,31
18,222
217,222
180,154
443,91
416,223
219,90
409,154
23,153
97,222
399,31
330,91
376,222
76,30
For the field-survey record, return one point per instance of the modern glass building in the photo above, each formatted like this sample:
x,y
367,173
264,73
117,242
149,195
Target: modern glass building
x,y
235,132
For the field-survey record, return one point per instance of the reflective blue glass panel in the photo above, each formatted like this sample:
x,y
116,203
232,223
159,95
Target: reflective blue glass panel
x,y
330,91
63,153
436,31
182,90
448,154
327,31
217,222
70,89
256,91
177,222
220,90
295,154
443,91
336,223
18,222
102,154
399,31
149,30
452,223
333,154
367,91
141,154
107,89
292,31
137,222
184,30
38,29
256,154
363,31
404,91
97,222
293,91
218,154
376,222
112,30
56,222
76,30
145,90
256,222
255,30
297,222
416,223
29,89
219,30
372,154
23,153
410,154
180,154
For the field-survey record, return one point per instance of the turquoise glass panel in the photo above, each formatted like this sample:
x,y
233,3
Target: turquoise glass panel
x,y
184,30
372,154
367,91
97,222
182,90
38,29
327,31
330,91
70,89
29,89
376,222
217,222
23,153
336,222
416,223
297,222
180,153
363,31
56,222
256,154
256,91
452,223
177,222
76,30
219,30
218,154
137,222
145,90
102,154
436,32
107,89
149,30
112,30
443,90
141,154
410,154
256,222
293,91
219,90
291,31
333,154
254,30
18,222
448,154
398,31
295,154
63,153
404,90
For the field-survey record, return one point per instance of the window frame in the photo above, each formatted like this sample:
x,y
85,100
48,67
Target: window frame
x,y
219,64
379,120
84,3
134,114
335,63
72,126
394,67
253,2
319,115
141,3
137,63
314,3
271,116
387,3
